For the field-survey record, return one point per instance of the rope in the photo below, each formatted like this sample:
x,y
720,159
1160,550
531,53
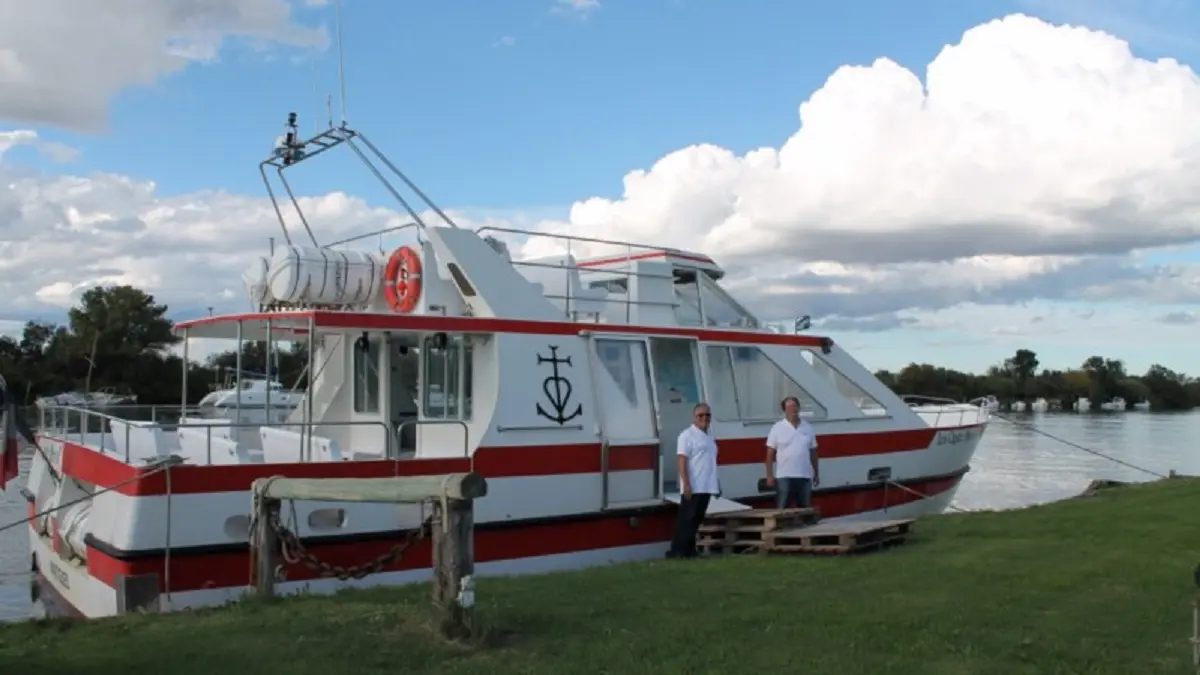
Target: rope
x,y
159,466
925,496
1078,446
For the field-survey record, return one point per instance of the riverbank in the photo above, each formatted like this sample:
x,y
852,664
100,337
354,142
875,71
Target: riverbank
x,y
1101,584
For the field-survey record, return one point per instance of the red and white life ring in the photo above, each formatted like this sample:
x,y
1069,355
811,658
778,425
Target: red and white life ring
x,y
402,280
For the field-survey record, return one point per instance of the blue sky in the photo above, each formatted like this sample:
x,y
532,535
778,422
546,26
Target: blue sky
x,y
522,108
592,95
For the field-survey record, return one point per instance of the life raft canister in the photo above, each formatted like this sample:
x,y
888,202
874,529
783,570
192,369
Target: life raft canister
x,y
402,280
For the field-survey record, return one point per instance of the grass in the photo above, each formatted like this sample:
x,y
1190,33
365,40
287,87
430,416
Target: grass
x,y
1096,585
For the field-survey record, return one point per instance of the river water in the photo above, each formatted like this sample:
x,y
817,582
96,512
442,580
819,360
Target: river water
x,y
1015,466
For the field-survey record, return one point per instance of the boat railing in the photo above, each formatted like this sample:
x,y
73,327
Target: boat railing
x,y
90,427
56,418
573,245
420,423
946,412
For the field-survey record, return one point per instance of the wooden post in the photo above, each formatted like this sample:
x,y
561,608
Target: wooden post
x,y
454,566
266,546
453,529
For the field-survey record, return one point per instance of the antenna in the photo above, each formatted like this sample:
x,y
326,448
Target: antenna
x,y
341,59
312,59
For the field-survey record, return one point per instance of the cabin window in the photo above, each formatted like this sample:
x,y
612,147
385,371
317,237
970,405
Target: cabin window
x,y
721,385
757,385
864,401
623,387
366,377
702,302
448,379
617,357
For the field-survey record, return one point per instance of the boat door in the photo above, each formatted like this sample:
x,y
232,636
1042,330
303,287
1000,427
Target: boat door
x,y
624,395
675,368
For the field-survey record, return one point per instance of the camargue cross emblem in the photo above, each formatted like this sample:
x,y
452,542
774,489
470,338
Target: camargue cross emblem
x,y
558,390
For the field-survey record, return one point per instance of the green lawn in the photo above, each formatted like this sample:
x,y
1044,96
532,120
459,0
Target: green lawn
x,y
1096,585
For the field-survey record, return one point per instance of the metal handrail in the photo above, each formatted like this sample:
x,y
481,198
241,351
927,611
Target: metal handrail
x,y
419,422
208,425
628,259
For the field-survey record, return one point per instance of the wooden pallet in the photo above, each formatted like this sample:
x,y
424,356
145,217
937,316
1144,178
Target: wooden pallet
x,y
745,531
850,537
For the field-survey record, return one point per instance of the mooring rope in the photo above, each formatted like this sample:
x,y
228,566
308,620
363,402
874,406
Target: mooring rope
x,y
159,466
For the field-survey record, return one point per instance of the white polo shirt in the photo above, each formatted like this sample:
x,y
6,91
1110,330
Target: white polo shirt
x,y
793,446
700,448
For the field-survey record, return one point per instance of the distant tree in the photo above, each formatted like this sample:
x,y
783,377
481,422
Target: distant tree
x,y
1021,366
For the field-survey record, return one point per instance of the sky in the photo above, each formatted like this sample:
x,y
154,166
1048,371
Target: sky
x,y
931,181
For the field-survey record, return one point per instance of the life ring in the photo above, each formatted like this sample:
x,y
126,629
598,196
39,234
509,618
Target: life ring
x,y
402,280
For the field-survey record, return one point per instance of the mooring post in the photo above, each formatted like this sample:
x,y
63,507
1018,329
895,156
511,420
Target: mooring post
x,y
454,565
266,545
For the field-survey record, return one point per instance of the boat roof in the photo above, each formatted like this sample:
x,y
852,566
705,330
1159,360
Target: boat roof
x,y
295,325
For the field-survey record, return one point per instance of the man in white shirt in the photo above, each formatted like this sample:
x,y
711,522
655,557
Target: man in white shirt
x,y
696,459
792,457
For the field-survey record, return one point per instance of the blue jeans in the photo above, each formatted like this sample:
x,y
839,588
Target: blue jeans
x,y
793,489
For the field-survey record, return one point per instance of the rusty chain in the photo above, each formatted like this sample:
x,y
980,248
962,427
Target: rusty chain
x,y
294,552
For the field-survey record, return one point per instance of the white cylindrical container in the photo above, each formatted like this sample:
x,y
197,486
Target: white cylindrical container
x,y
322,276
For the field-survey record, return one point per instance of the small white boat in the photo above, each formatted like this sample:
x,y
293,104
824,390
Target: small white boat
x,y
252,400
1141,405
1116,404
1039,405
1082,404
1017,406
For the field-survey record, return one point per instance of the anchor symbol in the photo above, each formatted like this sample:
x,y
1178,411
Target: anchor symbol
x,y
558,390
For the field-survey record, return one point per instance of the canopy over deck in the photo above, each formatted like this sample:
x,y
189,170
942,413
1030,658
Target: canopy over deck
x,y
295,325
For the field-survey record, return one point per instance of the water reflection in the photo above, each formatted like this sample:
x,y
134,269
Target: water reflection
x,y
1015,466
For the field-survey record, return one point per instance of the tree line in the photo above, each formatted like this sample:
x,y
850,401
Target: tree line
x,y
120,337
1098,379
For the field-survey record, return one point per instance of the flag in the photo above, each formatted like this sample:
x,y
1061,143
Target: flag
x,y
11,429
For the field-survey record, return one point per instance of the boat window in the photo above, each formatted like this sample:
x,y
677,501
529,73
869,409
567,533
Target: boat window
x,y
720,309
864,401
687,309
758,385
448,379
366,378
617,357
623,388
721,385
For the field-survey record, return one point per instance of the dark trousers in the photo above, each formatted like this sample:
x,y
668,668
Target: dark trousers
x,y
691,514
798,490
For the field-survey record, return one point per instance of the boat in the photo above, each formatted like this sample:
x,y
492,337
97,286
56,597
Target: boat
x,y
1017,406
250,398
563,380
1141,405
104,397
1039,405
1115,404
1082,404
66,398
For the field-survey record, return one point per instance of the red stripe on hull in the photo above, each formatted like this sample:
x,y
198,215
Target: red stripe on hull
x,y
230,569
102,470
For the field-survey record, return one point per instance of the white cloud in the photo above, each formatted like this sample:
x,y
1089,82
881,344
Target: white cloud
x,y
1036,162
61,61
580,8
